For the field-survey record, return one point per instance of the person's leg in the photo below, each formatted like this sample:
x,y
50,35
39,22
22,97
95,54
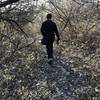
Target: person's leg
x,y
49,48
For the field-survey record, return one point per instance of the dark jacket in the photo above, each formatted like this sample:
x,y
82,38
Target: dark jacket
x,y
49,30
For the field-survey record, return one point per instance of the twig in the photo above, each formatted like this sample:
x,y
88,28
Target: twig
x,y
10,20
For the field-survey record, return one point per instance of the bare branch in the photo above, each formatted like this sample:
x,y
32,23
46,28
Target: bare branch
x,y
5,3
10,20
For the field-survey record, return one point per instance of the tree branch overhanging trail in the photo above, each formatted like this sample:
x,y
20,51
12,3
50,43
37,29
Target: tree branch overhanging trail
x,y
13,21
5,3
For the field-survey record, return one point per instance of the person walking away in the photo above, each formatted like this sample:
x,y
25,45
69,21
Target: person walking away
x,y
49,30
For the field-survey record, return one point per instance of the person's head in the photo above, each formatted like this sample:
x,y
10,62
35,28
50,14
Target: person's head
x,y
49,16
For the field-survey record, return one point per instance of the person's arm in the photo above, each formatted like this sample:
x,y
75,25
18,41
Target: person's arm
x,y
57,34
42,29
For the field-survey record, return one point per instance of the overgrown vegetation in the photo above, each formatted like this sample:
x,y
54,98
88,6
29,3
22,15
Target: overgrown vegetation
x,y
24,73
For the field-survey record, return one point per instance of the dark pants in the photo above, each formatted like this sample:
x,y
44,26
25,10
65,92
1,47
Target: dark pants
x,y
49,48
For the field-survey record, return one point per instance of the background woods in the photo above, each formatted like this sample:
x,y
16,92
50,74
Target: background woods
x,y
24,73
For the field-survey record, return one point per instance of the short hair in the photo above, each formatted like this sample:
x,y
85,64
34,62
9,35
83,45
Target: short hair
x,y
49,16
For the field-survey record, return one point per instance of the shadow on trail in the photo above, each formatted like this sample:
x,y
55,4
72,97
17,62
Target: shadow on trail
x,y
40,81
65,83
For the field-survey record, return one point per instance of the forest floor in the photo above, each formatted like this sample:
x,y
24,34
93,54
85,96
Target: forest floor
x,y
40,81
64,81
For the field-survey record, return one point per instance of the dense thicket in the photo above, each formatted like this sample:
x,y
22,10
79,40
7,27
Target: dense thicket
x,y
24,72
